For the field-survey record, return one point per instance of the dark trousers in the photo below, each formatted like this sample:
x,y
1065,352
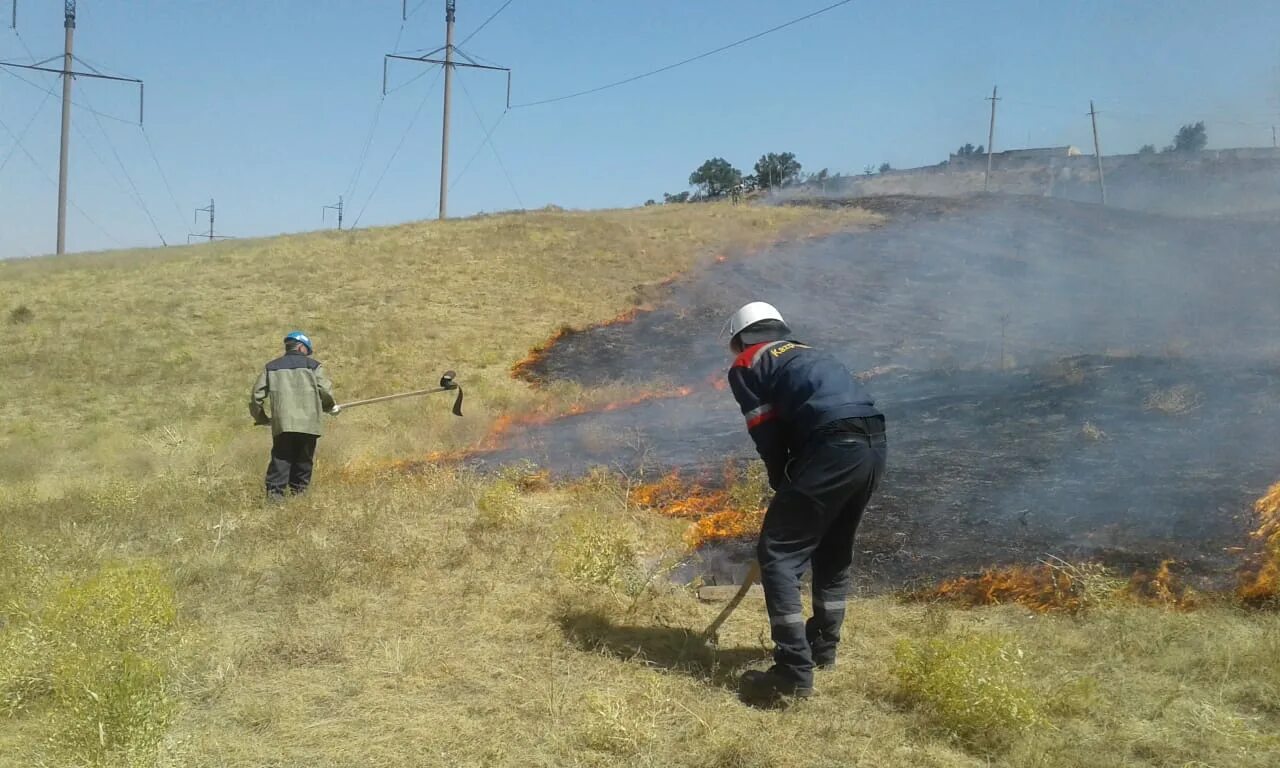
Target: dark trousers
x,y
813,519
292,456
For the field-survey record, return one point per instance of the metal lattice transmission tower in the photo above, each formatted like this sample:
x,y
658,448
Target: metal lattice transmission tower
x,y
324,210
69,75
210,236
449,49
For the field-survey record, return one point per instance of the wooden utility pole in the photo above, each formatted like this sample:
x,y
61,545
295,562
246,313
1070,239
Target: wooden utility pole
x,y
1097,151
991,139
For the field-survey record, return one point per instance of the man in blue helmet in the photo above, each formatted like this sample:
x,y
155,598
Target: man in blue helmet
x,y
823,444
299,391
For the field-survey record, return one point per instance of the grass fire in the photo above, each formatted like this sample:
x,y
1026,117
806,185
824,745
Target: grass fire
x,y
1047,575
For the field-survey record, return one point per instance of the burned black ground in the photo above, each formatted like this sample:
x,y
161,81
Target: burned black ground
x,y
1059,379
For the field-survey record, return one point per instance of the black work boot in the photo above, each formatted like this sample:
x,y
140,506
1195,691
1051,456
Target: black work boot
x,y
821,645
771,685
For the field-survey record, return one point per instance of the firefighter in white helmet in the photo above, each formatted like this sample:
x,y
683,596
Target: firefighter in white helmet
x,y
823,444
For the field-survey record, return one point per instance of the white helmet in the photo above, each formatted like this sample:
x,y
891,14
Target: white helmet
x,y
750,314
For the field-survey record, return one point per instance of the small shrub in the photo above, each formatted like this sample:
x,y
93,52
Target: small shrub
x,y
595,551
21,314
500,506
975,687
1092,432
98,653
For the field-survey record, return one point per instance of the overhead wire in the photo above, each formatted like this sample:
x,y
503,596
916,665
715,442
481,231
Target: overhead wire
x,y
142,203
683,62
76,104
488,139
485,23
25,130
182,215
354,183
49,179
403,138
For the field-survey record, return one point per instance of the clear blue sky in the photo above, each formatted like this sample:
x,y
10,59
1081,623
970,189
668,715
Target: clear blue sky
x,y
265,104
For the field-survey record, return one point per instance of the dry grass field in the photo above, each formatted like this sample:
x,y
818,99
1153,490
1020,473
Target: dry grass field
x,y
154,611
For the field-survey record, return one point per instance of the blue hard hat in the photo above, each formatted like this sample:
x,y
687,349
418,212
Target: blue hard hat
x,y
301,338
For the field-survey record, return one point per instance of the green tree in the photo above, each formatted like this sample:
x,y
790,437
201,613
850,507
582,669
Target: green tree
x,y
777,169
715,177
885,168
1147,149
1191,137
682,197
968,150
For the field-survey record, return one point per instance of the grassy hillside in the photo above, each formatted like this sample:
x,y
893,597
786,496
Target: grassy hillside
x,y
154,611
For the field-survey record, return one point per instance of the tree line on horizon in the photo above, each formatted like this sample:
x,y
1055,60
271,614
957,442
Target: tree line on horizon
x,y
717,177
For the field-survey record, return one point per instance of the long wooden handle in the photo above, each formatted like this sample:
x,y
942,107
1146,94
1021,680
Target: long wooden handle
x,y
753,575
384,398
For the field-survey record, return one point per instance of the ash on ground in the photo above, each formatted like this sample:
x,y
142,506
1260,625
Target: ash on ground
x,y
1058,379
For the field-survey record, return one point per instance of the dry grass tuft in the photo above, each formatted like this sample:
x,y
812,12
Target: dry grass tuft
x,y
974,687
1053,586
1174,401
1260,582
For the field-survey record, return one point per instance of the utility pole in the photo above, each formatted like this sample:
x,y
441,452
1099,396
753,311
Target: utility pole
x,y
69,23
1097,150
196,219
450,15
337,208
1273,137
991,139
450,8
13,23
68,76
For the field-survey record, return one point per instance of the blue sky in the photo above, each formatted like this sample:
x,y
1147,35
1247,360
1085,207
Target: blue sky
x,y
265,104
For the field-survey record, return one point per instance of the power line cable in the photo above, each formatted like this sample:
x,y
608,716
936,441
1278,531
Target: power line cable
x,y
142,203
77,104
421,105
476,153
182,215
49,179
492,16
373,127
410,81
689,60
364,152
416,8
26,129
488,136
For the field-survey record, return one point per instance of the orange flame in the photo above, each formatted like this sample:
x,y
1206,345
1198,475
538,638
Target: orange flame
x,y
1260,584
1041,588
523,368
1160,588
714,514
